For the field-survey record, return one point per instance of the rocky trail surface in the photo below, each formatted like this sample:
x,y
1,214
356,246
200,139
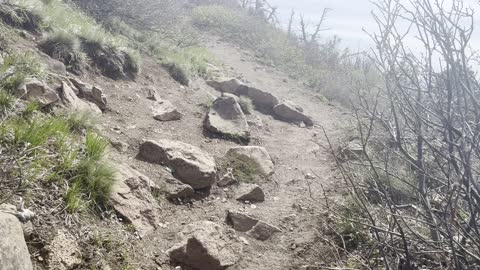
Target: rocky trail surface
x,y
204,182
302,168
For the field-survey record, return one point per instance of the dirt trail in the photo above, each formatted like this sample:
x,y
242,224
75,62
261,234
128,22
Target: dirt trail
x,y
288,202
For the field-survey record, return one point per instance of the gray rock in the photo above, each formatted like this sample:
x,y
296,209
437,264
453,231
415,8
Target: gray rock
x,y
153,95
241,222
288,111
175,189
263,231
13,249
256,156
35,90
164,110
205,245
227,180
121,147
71,100
189,163
261,99
251,193
226,117
132,199
91,93
231,86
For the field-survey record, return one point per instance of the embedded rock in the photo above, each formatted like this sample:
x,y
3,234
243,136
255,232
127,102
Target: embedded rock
x,y
241,222
205,245
251,193
261,99
13,249
164,110
133,200
226,117
289,112
189,163
175,189
256,156
70,99
90,93
263,231
231,86
63,252
35,90
153,95
228,179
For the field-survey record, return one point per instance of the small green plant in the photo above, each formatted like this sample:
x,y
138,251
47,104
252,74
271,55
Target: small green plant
x,y
244,169
18,67
30,109
7,102
64,47
80,122
178,72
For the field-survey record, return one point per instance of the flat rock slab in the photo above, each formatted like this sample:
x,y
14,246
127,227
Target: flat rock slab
x,y
71,100
263,231
251,193
241,222
163,110
13,249
231,85
255,156
205,245
63,252
261,99
226,117
132,199
289,112
189,163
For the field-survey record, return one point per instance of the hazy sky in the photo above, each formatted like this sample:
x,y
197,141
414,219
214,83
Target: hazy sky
x,y
348,17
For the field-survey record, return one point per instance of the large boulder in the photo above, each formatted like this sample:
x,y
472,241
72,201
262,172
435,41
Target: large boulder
x,y
262,100
189,163
164,110
255,156
289,112
231,86
35,90
71,100
133,200
226,117
13,249
205,245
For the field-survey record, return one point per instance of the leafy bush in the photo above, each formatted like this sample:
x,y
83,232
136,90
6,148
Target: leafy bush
x,y
64,47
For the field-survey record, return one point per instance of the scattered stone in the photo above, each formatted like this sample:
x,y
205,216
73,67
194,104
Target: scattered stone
x,y
289,112
13,249
121,147
256,155
228,179
226,117
244,240
254,120
175,189
241,222
153,95
35,90
164,110
190,164
250,192
71,100
205,245
263,231
352,151
133,200
63,252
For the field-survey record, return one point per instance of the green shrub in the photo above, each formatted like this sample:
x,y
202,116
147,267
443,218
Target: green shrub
x,y
7,102
178,72
243,169
18,67
20,17
64,47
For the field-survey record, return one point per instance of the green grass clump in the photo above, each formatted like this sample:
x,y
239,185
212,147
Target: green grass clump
x,y
7,102
246,104
17,67
65,48
20,17
243,169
